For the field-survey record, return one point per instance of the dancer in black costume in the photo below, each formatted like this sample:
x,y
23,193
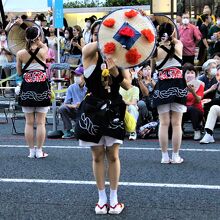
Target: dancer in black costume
x,y
35,89
170,91
101,123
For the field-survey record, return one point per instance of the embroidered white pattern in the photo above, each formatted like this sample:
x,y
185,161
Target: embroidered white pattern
x,y
88,125
35,96
174,91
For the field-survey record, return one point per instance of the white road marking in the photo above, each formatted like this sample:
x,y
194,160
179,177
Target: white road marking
x,y
122,148
78,182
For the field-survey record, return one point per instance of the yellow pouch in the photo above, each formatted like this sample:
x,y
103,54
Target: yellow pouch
x,y
129,121
52,95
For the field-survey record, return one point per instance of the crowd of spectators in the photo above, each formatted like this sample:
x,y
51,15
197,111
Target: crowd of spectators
x,y
201,68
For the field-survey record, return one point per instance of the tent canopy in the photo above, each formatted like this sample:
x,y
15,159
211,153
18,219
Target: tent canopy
x,y
25,5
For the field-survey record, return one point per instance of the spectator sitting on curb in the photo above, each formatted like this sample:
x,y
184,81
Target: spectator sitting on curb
x,y
213,115
75,94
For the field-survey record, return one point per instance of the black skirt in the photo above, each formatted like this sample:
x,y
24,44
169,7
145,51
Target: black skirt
x,y
100,118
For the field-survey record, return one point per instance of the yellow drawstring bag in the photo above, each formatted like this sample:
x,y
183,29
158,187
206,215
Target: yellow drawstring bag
x,y
130,122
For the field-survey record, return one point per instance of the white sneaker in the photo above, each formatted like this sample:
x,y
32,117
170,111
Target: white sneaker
x,y
132,136
207,139
177,160
197,135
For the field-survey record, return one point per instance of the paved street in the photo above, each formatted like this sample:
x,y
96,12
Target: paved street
x,y
62,186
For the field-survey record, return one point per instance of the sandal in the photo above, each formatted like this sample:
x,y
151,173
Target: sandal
x,y
101,210
164,161
44,155
117,209
177,160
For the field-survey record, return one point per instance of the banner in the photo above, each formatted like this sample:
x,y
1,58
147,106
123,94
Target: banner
x,y
50,3
58,13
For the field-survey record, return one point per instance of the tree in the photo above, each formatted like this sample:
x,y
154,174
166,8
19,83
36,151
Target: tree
x,y
108,3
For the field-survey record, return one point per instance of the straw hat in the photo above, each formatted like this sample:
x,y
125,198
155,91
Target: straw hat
x,y
128,37
16,36
165,19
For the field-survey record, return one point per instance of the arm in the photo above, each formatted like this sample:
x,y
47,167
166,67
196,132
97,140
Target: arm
x,y
89,50
126,83
18,64
143,88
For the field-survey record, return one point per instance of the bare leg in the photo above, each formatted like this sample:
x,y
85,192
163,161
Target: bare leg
x,y
98,155
163,130
29,129
176,121
114,165
41,129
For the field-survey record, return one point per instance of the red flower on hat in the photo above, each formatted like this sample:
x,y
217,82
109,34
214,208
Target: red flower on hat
x,y
109,22
131,14
127,32
132,56
148,35
109,48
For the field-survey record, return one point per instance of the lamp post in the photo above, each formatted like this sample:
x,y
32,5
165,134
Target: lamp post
x,y
2,14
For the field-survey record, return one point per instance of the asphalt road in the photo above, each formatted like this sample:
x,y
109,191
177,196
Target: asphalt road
x,y
62,186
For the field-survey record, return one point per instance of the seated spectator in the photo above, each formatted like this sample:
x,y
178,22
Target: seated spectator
x,y
209,68
74,96
146,85
131,98
211,84
213,115
193,102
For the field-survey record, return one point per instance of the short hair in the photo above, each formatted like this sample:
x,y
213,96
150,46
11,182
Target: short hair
x,y
190,67
207,64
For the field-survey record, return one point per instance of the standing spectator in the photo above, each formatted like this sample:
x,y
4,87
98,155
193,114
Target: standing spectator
x,y
170,92
87,31
77,41
203,45
74,96
189,36
193,101
214,38
34,84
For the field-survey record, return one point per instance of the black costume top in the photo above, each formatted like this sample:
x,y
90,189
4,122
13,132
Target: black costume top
x,y
171,86
102,112
35,87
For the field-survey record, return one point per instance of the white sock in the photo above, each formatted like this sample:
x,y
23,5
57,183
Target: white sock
x,y
39,152
165,155
32,151
174,155
113,197
102,197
